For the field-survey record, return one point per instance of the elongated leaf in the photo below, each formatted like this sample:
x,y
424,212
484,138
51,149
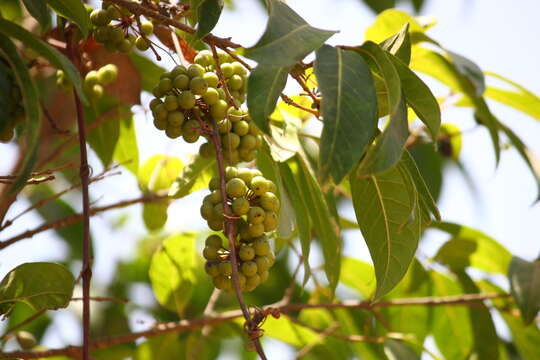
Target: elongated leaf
x,y
209,13
166,346
519,98
532,162
349,110
451,327
73,10
389,146
326,229
285,330
350,268
525,286
172,271
159,172
40,285
32,109
387,210
56,58
194,176
303,221
399,45
38,9
389,23
419,97
470,247
287,39
127,150
395,349
265,84
470,71
103,138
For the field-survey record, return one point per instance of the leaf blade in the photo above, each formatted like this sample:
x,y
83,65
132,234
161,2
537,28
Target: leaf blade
x,y
73,10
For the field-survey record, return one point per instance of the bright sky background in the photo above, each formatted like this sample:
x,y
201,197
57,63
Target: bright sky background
x,y
498,35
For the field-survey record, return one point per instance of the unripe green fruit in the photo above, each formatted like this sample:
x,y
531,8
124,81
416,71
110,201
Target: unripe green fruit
x,y
230,172
241,128
101,34
99,17
175,118
25,339
253,129
256,172
211,253
270,221
224,126
198,86
227,70
246,253
235,82
235,114
220,282
223,56
215,224
219,110
256,230
160,112
249,268
218,212
214,241
225,268
107,74
264,275
189,137
113,13
261,246
269,202
207,211
272,187
125,46
231,156
206,150
245,175
255,215
165,85
191,127
263,264
171,103
243,230
236,188
212,79
147,28
272,258
173,131
160,124
186,99
222,94
116,34
164,75
211,269
97,91
214,183
230,141
204,58
178,70
211,96
181,82
141,43
240,206
215,197
241,281
157,92
248,142
110,45
91,79
238,68
259,185
252,282
195,70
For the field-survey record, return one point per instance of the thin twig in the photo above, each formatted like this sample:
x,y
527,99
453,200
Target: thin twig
x,y
103,299
143,35
291,102
221,77
31,181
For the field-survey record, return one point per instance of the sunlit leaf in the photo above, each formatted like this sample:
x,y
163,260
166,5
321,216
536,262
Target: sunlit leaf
x,y
350,268
290,333
159,172
194,176
126,150
389,23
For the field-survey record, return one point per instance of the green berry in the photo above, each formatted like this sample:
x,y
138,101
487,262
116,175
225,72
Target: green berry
x,y
116,34
165,85
227,70
247,154
230,141
160,124
99,17
236,188
214,241
178,70
240,206
264,275
212,79
207,211
263,264
204,58
271,187
160,112
186,100
270,202
241,128
211,253
181,82
231,156
256,230
235,114
249,268
261,246
248,142
255,215
259,185
191,127
221,282
141,43
198,86
195,70
230,172
107,74
245,175
246,253
173,132
252,282
272,258
97,91
270,221
214,183
219,110
113,13
211,96
224,126
218,211
243,230
125,46
211,269
157,92
101,34
215,224
170,102
215,197
238,68
206,150
147,28
175,118
91,79
235,83
225,268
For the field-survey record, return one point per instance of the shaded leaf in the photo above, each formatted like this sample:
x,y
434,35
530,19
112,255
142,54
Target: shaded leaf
x,y
470,247
73,10
470,71
399,45
287,39
208,13
40,285
127,150
349,110
194,176
265,84
524,279
430,165
396,349
172,271
149,71
166,346
38,9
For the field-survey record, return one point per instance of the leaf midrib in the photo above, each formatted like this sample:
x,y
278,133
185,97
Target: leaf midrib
x,y
386,226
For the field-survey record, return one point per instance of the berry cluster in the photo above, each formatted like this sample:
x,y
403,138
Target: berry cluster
x,y
188,100
93,81
115,36
252,199
12,108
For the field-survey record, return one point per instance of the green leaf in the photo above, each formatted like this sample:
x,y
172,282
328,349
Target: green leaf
x,y
265,84
103,138
323,223
419,97
396,349
40,285
155,215
194,176
126,150
350,268
430,165
470,247
349,110
172,271
290,333
38,9
159,172
451,327
470,71
166,346
389,23
303,220
55,57
287,39
529,158
208,12
388,213
524,279
11,10
73,10
399,45
32,109
519,98
389,146
148,70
